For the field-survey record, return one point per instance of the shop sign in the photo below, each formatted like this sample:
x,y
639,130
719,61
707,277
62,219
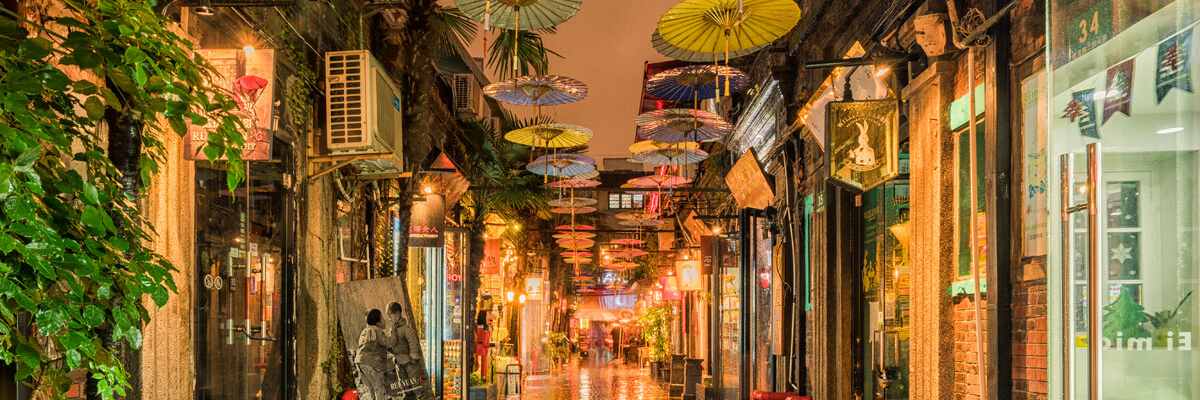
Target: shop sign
x,y
1085,25
491,257
863,142
249,78
749,184
428,220
533,287
688,272
708,246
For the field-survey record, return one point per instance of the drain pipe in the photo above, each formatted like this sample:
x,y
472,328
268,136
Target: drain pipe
x,y
973,28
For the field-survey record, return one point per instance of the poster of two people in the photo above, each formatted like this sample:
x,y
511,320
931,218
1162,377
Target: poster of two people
x,y
381,339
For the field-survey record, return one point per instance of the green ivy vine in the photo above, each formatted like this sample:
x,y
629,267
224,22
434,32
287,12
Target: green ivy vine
x,y
75,263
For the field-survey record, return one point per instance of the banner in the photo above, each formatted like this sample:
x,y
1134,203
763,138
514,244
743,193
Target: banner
x,y
1082,110
249,78
428,219
491,257
1118,96
1174,65
863,142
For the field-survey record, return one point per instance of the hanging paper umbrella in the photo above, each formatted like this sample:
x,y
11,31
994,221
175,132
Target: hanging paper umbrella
x,y
561,165
727,26
546,90
696,82
628,242
575,244
671,51
574,183
672,156
635,215
642,222
682,125
575,227
572,202
573,210
576,254
589,175
659,181
628,253
577,260
553,135
574,235
621,265
529,14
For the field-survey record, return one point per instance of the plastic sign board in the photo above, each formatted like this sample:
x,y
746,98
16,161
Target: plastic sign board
x,y
427,222
863,142
688,274
748,183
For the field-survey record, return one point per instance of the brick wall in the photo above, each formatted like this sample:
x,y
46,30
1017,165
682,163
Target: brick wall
x,y
1030,332
966,378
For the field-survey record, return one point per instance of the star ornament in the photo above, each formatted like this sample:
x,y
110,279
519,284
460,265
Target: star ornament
x,y
1122,253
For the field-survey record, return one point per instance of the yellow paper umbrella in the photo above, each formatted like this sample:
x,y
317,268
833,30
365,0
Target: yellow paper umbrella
x,y
659,181
726,26
671,51
574,183
572,202
553,135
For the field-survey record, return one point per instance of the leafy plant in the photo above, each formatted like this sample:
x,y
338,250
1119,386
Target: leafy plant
x,y
532,56
656,322
75,266
1163,322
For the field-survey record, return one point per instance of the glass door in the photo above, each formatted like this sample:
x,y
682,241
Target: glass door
x,y
1124,160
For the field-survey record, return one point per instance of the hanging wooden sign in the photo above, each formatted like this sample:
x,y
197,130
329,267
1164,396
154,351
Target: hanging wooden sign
x,y
863,139
248,77
749,184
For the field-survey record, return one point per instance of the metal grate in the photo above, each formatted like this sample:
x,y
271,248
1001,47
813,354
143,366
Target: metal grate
x,y
345,93
464,93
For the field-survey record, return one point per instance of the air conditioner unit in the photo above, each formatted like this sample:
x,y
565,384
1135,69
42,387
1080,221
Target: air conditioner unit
x,y
468,96
363,112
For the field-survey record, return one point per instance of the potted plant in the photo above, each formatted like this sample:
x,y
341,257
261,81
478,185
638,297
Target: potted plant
x,y
656,322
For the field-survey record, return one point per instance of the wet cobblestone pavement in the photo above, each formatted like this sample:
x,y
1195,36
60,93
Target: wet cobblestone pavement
x,y
584,380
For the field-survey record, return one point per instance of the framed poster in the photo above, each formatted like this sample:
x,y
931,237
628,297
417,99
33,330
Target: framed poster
x,y
375,318
863,142
248,77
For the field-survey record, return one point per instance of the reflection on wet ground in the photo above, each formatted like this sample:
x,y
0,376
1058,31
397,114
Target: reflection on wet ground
x,y
591,380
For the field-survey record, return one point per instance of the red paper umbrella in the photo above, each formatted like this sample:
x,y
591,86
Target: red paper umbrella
x,y
574,183
621,265
576,244
628,242
627,253
576,254
577,260
574,235
575,228
659,181
573,210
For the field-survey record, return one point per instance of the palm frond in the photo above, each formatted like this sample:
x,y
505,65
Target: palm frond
x,y
532,55
449,25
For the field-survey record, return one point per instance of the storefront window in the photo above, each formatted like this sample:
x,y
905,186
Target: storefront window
x,y
963,205
1121,90
731,327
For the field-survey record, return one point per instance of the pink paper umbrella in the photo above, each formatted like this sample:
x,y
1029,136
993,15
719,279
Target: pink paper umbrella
x,y
659,181
576,254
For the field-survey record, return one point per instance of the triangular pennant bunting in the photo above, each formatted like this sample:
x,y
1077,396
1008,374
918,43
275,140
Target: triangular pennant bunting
x,y
1173,64
1119,95
1082,110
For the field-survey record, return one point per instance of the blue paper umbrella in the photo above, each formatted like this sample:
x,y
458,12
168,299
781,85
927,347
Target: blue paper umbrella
x,y
696,82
